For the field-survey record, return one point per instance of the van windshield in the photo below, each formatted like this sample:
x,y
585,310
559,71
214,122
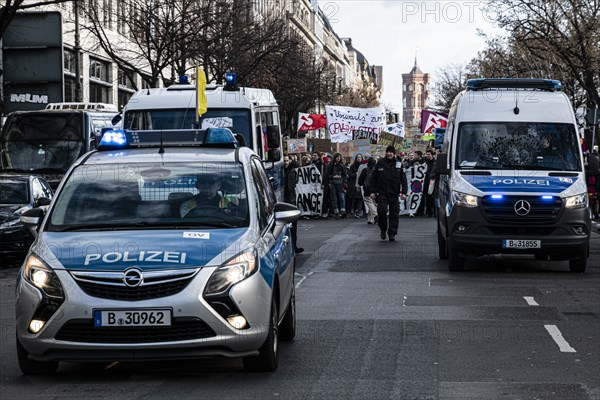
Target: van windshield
x,y
236,120
518,145
148,195
42,141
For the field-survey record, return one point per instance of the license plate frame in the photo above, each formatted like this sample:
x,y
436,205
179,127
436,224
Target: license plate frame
x,y
524,244
128,318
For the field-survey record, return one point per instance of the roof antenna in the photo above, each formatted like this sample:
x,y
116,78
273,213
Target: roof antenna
x,y
161,149
516,109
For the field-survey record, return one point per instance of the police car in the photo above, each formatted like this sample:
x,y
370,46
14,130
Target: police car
x,y
160,245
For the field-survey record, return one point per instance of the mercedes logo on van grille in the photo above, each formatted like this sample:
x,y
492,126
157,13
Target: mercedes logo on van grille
x,y
133,277
522,208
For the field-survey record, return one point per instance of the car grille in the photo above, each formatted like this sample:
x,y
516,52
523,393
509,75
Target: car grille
x,y
155,284
83,330
542,211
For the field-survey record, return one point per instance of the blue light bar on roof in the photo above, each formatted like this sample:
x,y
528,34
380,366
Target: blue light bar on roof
x,y
514,83
113,139
219,136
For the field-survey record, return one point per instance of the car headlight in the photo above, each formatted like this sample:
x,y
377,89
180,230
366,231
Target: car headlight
x,y
579,201
42,277
464,200
233,271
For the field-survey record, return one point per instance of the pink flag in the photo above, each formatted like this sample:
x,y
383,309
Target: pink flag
x,y
311,122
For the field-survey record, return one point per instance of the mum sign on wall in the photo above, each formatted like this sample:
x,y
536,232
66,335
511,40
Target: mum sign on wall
x,y
345,124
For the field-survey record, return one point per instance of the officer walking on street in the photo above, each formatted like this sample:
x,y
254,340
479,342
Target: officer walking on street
x,y
391,183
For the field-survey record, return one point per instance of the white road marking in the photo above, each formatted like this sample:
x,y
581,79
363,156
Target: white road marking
x,y
404,301
303,279
555,334
530,301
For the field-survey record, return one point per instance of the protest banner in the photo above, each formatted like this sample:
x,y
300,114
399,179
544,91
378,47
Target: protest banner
x,y
431,120
396,129
378,150
362,147
345,149
415,177
310,122
372,137
309,194
388,139
296,146
320,145
343,121
406,145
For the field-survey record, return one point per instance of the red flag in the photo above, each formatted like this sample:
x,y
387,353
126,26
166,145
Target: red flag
x,y
311,122
431,120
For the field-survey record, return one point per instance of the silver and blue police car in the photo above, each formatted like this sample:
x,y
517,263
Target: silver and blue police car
x,y
160,245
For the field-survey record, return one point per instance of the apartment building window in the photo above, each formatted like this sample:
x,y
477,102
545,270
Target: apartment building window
x,y
126,87
121,6
69,74
107,13
100,86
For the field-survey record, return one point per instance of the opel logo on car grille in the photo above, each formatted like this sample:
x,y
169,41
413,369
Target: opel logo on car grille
x,y
522,208
133,277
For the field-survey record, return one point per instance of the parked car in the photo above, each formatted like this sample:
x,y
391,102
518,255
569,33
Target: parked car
x,y
18,193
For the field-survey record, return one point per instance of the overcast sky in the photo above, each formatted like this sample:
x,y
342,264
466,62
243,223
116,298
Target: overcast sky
x,y
389,32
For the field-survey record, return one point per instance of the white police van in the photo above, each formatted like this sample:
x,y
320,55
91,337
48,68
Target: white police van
x,y
251,113
512,176
159,246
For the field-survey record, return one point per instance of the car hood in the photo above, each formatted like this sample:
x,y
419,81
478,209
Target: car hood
x,y
146,250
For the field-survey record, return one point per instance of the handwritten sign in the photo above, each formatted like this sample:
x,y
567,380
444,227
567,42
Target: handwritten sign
x,y
343,121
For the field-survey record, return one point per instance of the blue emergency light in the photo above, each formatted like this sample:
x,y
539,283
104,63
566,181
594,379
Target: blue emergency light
x,y
547,197
497,196
125,139
230,82
550,85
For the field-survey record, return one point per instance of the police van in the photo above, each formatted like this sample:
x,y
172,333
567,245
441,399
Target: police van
x,y
512,175
159,246
251,113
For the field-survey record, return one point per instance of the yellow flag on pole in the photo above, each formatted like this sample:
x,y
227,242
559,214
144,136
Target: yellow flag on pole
x,y
200,92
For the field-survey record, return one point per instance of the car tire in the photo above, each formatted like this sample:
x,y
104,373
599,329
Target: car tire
x,y
579,265
31,367
287,328
268,354
455,262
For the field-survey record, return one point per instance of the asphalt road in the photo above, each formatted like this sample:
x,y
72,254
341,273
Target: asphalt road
x,y
380,320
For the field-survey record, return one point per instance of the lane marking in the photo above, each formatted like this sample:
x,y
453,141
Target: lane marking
x,y
555,334
530,301
303,279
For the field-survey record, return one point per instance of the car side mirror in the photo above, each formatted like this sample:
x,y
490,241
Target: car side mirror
x,y
31,219
284,214
43,201
116,119
273,137
441,165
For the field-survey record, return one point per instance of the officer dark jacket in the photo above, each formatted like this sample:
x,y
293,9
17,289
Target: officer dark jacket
x,y
289,188
390,177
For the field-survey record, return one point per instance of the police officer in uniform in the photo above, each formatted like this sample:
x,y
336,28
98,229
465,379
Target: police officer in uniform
x,y
391,183
209,196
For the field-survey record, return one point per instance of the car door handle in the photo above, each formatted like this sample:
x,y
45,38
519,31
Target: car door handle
x,y
286,239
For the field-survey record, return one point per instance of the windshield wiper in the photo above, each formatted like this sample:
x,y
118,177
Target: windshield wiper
x,y
532,167
13,170
48,170
87,227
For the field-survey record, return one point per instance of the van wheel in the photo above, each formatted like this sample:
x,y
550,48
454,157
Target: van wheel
x,y
455,262
287,329
442,246
579,264
268,354
31,367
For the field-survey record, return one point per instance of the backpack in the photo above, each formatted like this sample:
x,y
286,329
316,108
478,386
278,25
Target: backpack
x,y
369,183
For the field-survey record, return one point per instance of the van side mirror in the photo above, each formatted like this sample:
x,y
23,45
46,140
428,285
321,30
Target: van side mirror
x,y
273,137
116,119
43,201
31,219
274,155
441,164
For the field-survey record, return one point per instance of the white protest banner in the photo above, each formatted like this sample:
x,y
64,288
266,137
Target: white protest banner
x,y
309,194
343,121
396,129
415,177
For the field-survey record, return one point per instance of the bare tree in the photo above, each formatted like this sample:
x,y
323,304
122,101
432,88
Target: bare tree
x,y
560,35
450,80
11,7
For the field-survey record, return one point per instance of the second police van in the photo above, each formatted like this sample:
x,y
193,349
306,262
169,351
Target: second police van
x,y
159,247
512,175
251,113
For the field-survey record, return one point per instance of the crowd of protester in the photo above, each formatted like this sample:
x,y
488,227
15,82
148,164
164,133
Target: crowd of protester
x,y
345,182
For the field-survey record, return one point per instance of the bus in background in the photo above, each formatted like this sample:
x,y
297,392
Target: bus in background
x,y
47,142
251,113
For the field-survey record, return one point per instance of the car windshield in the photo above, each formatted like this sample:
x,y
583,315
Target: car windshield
x,y
146,195
516,145
13,192
236,120
45,140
